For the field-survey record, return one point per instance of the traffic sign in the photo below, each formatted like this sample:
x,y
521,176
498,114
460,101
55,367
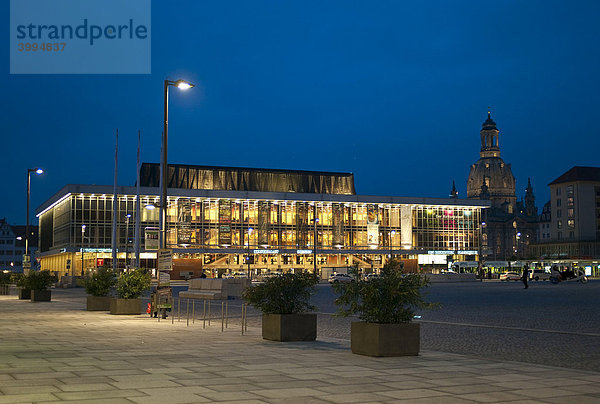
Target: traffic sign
x,y
165,259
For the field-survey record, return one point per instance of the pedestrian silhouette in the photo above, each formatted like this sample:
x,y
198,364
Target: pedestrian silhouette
x,y
525,275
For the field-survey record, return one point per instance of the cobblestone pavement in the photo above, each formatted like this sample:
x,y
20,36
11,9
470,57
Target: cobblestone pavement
x,y
556,325
58,352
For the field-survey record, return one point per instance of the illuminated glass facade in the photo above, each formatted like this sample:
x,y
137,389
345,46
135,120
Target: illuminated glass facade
x,y
260,231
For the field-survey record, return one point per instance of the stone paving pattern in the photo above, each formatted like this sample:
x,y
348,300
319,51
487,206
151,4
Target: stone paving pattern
x,y
57,352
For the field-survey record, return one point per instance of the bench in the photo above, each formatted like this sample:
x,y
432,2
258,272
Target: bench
x,y
215,288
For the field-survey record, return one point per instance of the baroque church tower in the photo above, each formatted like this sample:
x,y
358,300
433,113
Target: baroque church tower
x,y
490,177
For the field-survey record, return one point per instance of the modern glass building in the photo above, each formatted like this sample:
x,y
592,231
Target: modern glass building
x,y
224,219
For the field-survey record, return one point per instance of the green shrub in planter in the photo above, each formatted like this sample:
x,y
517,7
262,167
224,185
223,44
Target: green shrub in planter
x,y
385,305
99,282
284,301
130,287
132,284
98,285
40,280
283,294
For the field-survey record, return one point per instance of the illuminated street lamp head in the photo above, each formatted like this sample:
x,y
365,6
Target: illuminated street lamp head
x,y
183,85
39,171
250,230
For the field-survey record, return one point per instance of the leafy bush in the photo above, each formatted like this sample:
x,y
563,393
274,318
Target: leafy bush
x,y
132,284
99,282
5,278
283,294
39,280
20,280
388,299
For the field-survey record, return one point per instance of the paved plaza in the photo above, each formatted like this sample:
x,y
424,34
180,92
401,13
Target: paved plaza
x,y
57,351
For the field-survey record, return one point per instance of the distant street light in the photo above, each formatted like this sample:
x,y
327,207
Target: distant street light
x,y
38,171
182,85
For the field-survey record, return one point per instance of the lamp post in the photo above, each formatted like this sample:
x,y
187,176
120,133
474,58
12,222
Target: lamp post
x,y
248,252
82,235
182,85
315,239
38,171
128,216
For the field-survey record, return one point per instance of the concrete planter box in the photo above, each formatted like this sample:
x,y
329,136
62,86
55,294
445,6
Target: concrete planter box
x,y
98,303
385,339
24,294
41,295
125,306
289,327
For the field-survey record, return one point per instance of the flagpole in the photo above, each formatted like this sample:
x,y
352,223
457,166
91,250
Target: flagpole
x,y
137,208
115,210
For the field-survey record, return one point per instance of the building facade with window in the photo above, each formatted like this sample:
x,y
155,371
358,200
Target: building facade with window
x,y
227,219
574,219
12,245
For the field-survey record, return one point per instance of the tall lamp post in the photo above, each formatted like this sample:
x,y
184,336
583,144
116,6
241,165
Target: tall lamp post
x,y
248,252
38,171
315,239
182,85
82,244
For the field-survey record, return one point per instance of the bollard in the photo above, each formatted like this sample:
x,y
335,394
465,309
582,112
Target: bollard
x,y
173,311
209,304
187,312
204,316
194,311
178,310
222,316
226,313
246,320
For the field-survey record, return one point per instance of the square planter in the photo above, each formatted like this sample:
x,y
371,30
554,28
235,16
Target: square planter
x,y
125,306
98,303
385,339
24,294
41,295
289,327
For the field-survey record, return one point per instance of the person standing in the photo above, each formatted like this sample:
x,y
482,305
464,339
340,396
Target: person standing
x,y
525,276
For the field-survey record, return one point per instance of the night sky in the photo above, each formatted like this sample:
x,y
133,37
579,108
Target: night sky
x,y
392,91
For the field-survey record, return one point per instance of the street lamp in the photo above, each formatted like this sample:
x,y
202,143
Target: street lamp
x,y
82,235
248,252
315,239
38,171
182,85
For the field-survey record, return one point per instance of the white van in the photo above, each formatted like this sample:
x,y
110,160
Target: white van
x,y
539,274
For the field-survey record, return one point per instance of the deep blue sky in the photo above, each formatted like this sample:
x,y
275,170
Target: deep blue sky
x,y
392,91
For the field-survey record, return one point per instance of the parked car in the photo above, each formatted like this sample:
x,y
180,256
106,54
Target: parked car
x,y
510,276
368,277
335,278
539,275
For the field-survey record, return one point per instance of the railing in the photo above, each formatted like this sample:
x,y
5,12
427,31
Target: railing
x,y
190,314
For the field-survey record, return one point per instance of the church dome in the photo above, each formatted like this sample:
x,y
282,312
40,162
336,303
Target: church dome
x,y
491,170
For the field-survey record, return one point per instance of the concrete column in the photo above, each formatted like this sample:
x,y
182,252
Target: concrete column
x,y
406,226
